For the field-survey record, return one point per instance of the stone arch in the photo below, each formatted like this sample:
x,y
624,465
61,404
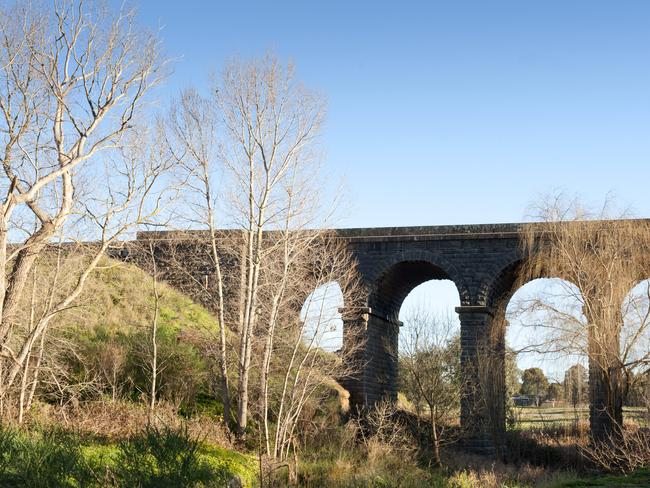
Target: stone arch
x,y
389,283
396,277
498,292
500,289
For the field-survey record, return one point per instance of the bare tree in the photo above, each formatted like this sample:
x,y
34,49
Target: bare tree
x,y
267,126
295,348
429,370
602,260
72,83
192,139
249,156
271,124
153,357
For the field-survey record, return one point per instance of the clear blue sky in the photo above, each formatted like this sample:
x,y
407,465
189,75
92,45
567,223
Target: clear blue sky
x,y
454,112
449,112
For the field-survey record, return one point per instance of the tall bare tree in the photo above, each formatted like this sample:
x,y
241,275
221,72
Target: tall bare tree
x,y
153,357
73,78
249,157
297,348
266,126
192,140
271,124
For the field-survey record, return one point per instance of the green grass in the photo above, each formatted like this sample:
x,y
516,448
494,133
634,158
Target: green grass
x,y
119,298
531,417
231,462
49,457
109,330
639,479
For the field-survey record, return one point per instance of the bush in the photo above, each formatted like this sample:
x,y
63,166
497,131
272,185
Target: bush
x,y
162,458
620,454
50,458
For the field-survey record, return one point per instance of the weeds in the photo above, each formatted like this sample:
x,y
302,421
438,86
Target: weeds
x,y
160,458
156,457
50,458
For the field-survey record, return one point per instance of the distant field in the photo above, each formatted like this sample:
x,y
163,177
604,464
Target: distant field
x,y
548,415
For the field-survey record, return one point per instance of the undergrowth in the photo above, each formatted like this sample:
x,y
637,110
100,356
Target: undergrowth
x,y
155,457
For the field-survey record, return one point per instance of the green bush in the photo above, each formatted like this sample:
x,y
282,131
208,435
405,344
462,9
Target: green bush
x,y
155,457
183,372
162,458
50,458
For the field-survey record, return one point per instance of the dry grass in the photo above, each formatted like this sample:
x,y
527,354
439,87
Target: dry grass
x,y
121,419
468,470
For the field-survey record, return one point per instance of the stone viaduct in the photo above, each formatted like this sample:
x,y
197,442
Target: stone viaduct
x,y
483,262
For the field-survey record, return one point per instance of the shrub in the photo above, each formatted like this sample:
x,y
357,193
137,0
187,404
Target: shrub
x,y
162,458
182,373
49,458
624,454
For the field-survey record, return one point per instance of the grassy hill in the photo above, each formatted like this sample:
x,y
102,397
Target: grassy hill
x,y
119,298
91,414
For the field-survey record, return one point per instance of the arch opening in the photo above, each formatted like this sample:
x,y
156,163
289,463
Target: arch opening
x,y
429,352
635,333
431,304
321,315
635,351
546,334
386,302
399,281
